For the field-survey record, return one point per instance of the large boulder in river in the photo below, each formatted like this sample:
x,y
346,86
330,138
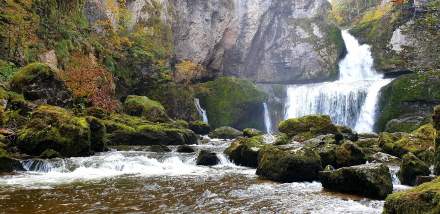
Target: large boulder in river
x,y
128,130
421,199
142,106
225,133
410,168
234,102
39,82
207,158
370,180
288,165
347,154
244,151
200,127
307,127
55,128
249,132
7,163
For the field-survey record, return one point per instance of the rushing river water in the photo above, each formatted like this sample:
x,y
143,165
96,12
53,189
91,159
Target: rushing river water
x,y
139,181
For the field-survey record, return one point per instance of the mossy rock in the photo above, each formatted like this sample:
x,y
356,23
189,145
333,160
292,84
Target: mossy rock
x,y
98,133
250,132
436,122
421,199
55,128
233,102
410,168
49,154
141,106
307,127
281,139
8,164
370,180
407,124
412,95
40,82
200,127
225,133
347,154
295,165
244,151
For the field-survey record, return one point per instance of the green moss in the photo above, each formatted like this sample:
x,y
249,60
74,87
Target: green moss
x,y
145,107
28,73
423,88
422,199
233,102
244,151
7,70
307,127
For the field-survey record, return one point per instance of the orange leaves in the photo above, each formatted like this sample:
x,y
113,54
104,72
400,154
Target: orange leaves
x,y
398,2
86,78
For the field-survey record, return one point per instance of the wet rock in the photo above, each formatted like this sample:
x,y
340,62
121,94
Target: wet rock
x,y
421,199
305,128
347,133
370,180
410,168
9,164
347,154
159,149
98,131
294,165
207,158
200,127
185,149
424,179
142,106
39,82
381,157
249,132
244,151
436,122
225,133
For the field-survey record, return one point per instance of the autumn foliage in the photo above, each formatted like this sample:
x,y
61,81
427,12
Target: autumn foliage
x,y
87,79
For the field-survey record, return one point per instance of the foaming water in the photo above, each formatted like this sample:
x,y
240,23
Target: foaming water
x,y
200,110
351,100
267,120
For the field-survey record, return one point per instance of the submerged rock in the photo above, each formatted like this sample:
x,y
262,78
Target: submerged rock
x,y
39,82
294,165
370,180
421,199
225,133
185,149
244,151
207,158
200,127
410,168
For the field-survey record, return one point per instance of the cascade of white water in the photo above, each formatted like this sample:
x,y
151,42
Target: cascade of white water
x,y
351,100
200,110
267,120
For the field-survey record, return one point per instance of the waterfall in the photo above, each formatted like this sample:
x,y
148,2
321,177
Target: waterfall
x,y
200,110
267,120
351,100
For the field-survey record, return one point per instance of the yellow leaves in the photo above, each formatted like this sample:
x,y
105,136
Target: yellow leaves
x,y
186,71
377,13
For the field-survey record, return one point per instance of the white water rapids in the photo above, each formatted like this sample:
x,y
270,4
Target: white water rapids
x,y
351,100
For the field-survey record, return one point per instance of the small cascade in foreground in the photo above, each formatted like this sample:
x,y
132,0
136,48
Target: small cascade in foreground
x,y
349,101
200,110
267,120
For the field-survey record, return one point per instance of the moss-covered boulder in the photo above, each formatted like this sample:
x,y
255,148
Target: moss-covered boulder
x,y
410,168
307,127
207,158
291,165
128,130
141,106
39,82
225,133
98,132
244,151
233,102
436,122
250,132
55,128
347,154
7,163
200,127
422,199
370,180
420,142
407,124
407,98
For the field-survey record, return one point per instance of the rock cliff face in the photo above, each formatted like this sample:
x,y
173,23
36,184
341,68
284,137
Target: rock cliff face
x,y
272,41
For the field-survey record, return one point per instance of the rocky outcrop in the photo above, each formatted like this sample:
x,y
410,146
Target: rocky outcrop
x,y
288,165
200,127
371,180
421,199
